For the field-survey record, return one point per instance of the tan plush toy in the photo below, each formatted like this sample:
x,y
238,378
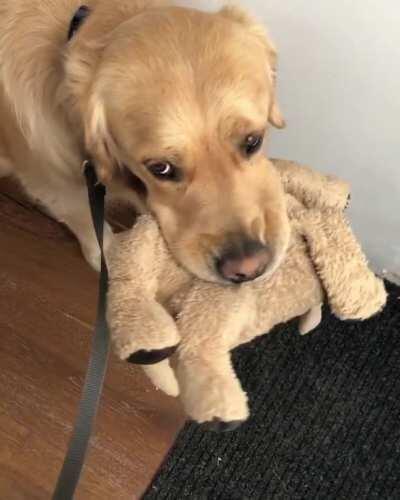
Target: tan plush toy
x,y
158,310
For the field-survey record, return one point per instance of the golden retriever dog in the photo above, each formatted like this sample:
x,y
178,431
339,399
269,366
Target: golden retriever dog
x,y
172,104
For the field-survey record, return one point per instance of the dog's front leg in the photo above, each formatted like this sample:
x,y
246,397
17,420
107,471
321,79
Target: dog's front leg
x,y
72,208
67,201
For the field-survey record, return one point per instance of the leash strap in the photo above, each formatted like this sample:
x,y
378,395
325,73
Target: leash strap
x,y
79,17
74,460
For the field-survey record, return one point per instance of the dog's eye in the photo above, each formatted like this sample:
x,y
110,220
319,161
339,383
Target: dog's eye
x,y
252,144
164,170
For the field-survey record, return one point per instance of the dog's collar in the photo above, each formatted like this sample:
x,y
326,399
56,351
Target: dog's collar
x,y
79,17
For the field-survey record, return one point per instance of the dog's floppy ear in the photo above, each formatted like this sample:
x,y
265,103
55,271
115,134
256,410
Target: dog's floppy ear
x,y
98,139
237,14
275,115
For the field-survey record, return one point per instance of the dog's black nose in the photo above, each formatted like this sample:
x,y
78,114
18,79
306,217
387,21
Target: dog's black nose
x,y
244,262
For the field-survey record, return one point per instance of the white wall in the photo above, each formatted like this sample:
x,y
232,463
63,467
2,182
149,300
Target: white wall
x,y
339,86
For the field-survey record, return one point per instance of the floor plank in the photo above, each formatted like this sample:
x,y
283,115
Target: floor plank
x,y
47,309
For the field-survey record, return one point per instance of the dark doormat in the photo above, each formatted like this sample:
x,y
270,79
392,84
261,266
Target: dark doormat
x,y
325,420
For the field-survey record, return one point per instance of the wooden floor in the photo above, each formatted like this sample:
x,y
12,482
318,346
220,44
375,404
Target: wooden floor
x,y
47,309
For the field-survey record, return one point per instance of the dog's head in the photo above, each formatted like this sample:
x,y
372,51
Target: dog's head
x,y
180,106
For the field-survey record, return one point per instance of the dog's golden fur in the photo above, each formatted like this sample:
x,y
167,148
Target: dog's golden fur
x,y
143,80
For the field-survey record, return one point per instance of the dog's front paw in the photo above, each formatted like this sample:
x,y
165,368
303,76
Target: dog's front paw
x,y
91,251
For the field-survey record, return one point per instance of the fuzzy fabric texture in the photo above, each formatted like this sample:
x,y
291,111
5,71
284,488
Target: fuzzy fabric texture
x,y
153,304
324,424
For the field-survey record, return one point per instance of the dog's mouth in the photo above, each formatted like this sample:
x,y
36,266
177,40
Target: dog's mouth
x,y
133,182
251,261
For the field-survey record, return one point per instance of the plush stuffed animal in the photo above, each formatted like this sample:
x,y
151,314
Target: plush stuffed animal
x,y
156,308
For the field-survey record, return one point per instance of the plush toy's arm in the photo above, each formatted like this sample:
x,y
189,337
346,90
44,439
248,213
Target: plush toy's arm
x,y
353,291
134,255
313,189
141,328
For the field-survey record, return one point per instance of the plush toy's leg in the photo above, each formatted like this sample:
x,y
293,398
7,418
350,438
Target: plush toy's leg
x,y
210,322
210,391
310,320
163,377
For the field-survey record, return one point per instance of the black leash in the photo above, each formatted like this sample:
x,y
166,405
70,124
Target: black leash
x,y
80,15
74,460
91,392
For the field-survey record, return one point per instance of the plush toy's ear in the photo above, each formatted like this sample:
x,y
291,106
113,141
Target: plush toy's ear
x,y
237,14
99,141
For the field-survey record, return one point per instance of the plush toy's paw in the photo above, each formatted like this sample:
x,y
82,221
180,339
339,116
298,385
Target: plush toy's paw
x,y
212,397
217,425
220,406
143,357
142,332
362,300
